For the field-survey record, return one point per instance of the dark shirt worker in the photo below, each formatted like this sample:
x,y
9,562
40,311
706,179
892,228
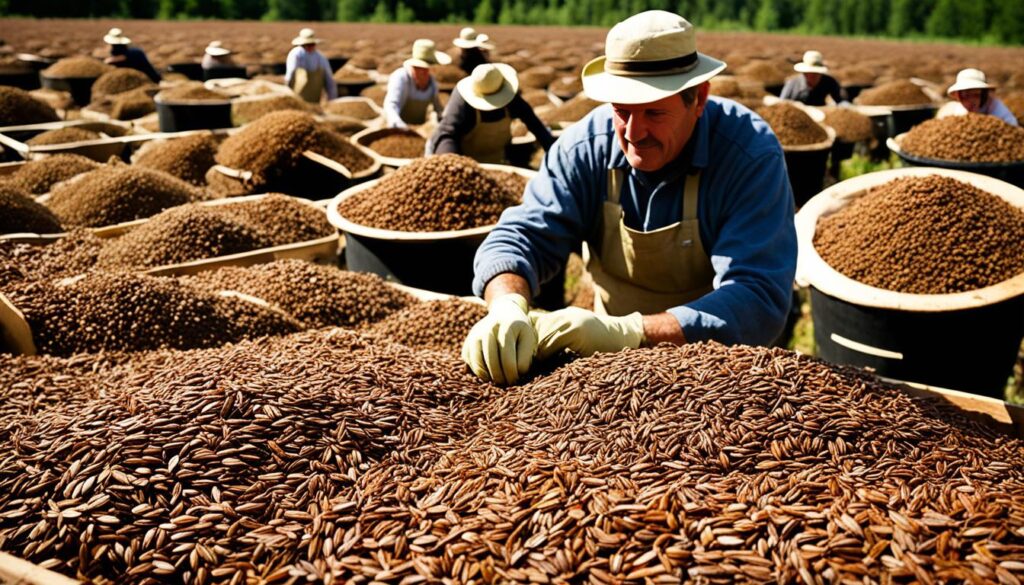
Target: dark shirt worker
x,y
123,54
814,84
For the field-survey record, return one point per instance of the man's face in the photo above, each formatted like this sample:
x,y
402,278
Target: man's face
x,y
812,79
653,134
970,99
309,48
420,76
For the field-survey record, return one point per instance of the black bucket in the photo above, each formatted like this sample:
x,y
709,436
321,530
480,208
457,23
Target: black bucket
x,y
336,63
880,127
774,89
225,73
806,169
1012,173
311,180
903,120
193,71
80,88
442,265
273,68
181,116
852,91
353,89
971,350
27,79
840,152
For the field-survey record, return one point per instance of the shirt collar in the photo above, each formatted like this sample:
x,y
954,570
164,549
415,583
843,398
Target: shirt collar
x,y
698,146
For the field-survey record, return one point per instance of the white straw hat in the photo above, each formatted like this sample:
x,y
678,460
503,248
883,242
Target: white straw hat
x,y
306,37
115,36
215,49
470,39
425,54
813,62
970,79
490,86
648,57
483,40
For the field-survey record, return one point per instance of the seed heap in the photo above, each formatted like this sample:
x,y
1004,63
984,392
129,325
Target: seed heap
x,y
571,111
62,136
318,296
325,456
340,149
131,105
20,213
357,109
433,325
924,235
351,75
246,111
856,76
71,67
901,92
398,143
270,147
132,312
792,125
512,182
377,93
536,97
282,219
18,107
1015,103
38,176
447,75
537,77
566,86
850,126
970,138
192,91
344,128
119,80
431,194
119,193
187,158
69,256
763,71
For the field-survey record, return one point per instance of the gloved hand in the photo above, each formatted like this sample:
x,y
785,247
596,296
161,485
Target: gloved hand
x,y
586,332
501,346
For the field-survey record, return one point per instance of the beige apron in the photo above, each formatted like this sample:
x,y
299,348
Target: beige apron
x,y
309,84
486,142
649,272
415,111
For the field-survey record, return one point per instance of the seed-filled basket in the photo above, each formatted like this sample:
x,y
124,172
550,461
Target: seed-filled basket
x,y
114,137
368,137
964,340
1011,172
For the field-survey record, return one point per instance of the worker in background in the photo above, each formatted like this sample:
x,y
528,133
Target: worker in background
x,y
477,121
122,54
681,203
814,84
473,49
216,56
308,72
412,88
973,93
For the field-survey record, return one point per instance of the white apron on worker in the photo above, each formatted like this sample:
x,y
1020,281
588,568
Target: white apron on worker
x,y
649,272
415,111
486,142
309,85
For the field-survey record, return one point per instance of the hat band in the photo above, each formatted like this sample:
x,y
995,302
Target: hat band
x,y
659,67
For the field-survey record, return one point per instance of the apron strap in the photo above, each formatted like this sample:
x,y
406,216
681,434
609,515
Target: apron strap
x,y
615,180
690,193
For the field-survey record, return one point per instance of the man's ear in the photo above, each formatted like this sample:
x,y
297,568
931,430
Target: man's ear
x,y
702,97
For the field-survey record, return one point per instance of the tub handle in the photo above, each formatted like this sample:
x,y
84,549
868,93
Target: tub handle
x,y
864,348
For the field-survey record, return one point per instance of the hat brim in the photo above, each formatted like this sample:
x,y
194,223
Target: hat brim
x,y
493,101
439,59
300,41
464,44
968,85
116,40
218,52
805,68
605,87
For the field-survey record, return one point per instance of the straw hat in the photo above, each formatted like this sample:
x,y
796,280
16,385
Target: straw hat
x,y
215,49
470,39
813,62
490,86
483,41
115,36
648,57
425,54
306,37
970,79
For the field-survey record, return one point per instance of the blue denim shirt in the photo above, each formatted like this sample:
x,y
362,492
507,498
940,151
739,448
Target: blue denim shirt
x,y
745,214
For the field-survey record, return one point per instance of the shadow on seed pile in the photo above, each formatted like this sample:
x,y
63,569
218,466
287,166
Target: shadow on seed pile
x,y
40,175
792,125
20,213
970,138
924,235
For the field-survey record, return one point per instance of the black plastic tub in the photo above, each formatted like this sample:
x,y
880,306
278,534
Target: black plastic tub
x,y
1012,172
774,89
274,68
336,63
80,88
903,119
193,115
193,71
353,88
840,152
806,167
225,73
852,91
27,79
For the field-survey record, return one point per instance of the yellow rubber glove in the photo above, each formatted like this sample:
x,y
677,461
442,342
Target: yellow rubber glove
x,y
501,346
586,332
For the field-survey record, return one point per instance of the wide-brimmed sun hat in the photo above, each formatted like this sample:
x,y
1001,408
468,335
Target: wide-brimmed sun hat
x,y
115,36
306,37
648,57
970,79
813,62
425,54
216,49
470,39
490,86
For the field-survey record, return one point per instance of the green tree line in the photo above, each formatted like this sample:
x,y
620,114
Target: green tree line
x,y
983,20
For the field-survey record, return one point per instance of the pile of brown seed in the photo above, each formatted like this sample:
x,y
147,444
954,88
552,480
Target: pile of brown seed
x,y
62,136
69,256
357,109
132,312
378,92
118,193
398,143
119,80
316,295
192,91
187,158
431,194
340,149
269,147
764,71
246,111
571,111
566,86
1015,102
282,219
924,235
70,67
970,138
536,97
447,75
18,107
329,457
512,182
433,325
19,213
344,128
855,75
131,104
38,176
537,77
901,92
351,75
792,125
850,126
